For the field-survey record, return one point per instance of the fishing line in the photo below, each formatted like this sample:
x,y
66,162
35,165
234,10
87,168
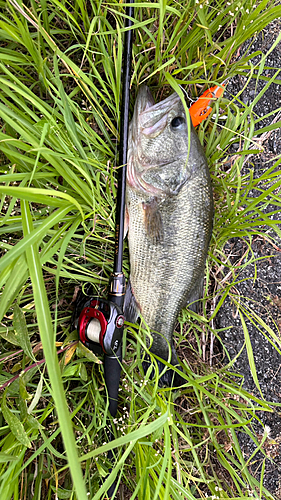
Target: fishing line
x,y
185,92
97,286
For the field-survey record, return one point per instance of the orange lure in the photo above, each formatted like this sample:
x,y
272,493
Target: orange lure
x,y
201,108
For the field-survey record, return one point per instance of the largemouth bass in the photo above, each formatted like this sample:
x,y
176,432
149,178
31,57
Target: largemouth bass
x,y
169,212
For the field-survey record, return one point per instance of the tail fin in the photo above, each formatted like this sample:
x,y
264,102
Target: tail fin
x,y
170,378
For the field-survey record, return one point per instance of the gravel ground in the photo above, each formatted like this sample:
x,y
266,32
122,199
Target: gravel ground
x,y
263,294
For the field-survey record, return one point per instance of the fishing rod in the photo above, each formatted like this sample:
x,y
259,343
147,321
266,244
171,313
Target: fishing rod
x,y
100,323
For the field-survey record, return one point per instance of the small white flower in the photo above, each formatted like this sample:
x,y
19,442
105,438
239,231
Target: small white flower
x,y
267,430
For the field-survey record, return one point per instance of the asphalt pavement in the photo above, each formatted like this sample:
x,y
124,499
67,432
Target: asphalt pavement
x,y
262,294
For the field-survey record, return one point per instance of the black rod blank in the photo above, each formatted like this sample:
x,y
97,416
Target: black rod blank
x,y
123,148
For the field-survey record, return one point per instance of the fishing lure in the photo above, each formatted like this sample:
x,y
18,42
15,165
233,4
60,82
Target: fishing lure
x,y
201,109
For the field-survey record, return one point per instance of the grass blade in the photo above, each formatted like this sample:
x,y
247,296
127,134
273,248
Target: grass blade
x,y
48,341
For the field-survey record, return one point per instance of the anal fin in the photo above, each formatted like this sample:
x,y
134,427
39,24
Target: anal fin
x,y
194,303
131,308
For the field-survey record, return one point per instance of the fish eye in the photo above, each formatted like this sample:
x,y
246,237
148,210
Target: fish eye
x,y
177,121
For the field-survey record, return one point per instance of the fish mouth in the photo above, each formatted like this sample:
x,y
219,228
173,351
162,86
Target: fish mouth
x,y
152,118
144,100
149,117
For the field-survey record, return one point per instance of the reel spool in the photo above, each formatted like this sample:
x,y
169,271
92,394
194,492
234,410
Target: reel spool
x,y
100,326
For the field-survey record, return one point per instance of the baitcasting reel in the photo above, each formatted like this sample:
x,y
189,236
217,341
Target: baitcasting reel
x,y
100,322
100,326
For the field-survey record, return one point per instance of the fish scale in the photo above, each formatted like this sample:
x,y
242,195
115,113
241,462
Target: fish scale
x,y
169,216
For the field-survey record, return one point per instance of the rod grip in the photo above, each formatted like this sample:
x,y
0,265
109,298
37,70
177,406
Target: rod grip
x,y
112,372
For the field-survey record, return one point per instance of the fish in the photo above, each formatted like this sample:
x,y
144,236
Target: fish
x,y
169,217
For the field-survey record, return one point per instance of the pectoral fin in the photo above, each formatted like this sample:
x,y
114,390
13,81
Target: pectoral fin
x,y
153,221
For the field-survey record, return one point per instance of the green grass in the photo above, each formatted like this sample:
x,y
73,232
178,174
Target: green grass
x,y
60,78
